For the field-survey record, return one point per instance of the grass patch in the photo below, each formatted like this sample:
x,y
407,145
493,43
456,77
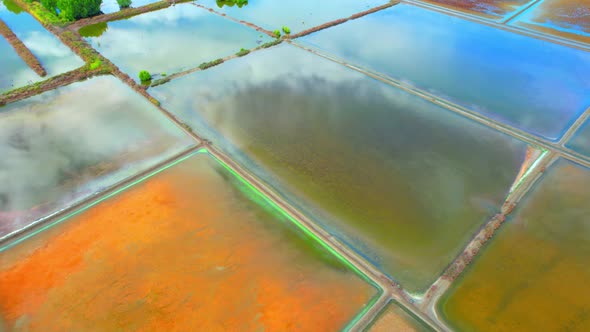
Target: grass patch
x,y
243,52
154,101
210,64
161,81
94,65
270,44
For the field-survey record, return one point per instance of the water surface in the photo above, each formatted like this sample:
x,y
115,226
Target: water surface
x,y
533,275
580,142
192,246
62,146
297,15
111,6
525,82
402,181
173,39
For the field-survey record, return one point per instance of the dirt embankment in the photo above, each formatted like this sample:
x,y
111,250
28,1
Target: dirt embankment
x,y
28,57
122,14
342,20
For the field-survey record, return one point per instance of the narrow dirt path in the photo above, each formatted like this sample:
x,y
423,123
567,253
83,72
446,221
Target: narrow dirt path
x,y
21,49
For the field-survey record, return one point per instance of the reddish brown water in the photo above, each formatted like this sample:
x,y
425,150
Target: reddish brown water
x,y
486,8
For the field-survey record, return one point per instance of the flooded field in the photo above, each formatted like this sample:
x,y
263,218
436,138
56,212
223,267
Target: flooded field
x,y
13,70
111,6
565,18
394,318
533,275
581,140
62,146
296,15
368,172
55,57
530,84
493,9
172,40
191,246
402,181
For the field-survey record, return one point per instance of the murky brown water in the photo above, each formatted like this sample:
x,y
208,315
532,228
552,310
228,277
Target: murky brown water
x,y
565,18
533,276
404,182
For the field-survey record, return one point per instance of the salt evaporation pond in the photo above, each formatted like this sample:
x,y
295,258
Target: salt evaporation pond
x,y
394,318
193,245
533,85
490,9
533,275
404,182
564,18
296,15
65,145
173,39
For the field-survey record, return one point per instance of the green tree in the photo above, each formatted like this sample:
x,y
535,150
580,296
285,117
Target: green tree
x,y
231,3
124,3
77,9
51,5
12,7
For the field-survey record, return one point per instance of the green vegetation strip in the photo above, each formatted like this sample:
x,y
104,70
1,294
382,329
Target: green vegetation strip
x,y
207,65
70,77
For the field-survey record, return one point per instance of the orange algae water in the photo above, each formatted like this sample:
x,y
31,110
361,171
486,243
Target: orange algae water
x,y
534,274
394,318
191,248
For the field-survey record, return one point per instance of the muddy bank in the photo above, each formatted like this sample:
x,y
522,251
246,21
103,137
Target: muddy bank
x,y
125,13
70,77
28,57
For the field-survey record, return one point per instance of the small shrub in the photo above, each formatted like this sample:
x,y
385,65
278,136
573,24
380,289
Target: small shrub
x,y
144,76
163,74
124,3
231,3
94,65
277,33
272,43
242,52
286,30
